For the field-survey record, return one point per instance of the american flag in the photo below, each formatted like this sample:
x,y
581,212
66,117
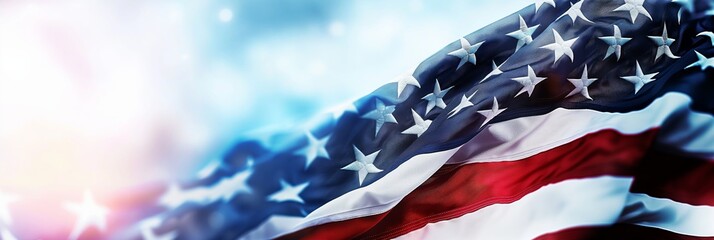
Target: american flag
x,y
565,120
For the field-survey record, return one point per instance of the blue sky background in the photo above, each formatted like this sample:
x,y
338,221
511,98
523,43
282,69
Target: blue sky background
x,y
279,63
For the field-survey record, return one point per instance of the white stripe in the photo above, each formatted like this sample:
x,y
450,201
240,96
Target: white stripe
x,y
524,137
510,140
573,203
372,199
669,215
570,203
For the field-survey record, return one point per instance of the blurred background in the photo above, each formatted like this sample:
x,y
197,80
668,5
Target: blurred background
x,y
108,96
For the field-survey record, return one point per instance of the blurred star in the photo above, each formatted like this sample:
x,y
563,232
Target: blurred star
x,y
288,192
315,148
88,213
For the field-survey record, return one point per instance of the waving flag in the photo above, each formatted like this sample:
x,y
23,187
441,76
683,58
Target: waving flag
x,y
566,120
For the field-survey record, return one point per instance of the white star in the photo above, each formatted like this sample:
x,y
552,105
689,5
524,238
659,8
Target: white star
x,y
538,3
663,42
288,192
464,103
639,79
435,99
495,71
381,114
6,199
581,84
490,113
574,12
529,82
615,42
635,8
224,190
523,34
703,62
405,79
88,213
560,47
314,148
363,165
420,125
467,52
707,34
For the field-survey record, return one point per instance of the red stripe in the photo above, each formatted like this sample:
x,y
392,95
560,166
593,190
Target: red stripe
x,y
619,231
456,190
682,179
